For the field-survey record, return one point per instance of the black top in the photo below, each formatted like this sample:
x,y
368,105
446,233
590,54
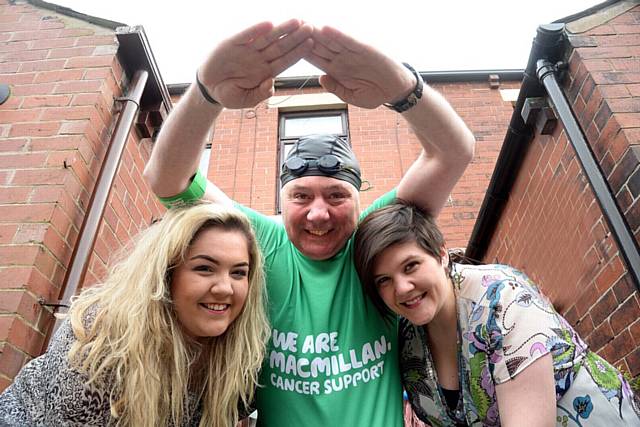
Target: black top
x,y
451,397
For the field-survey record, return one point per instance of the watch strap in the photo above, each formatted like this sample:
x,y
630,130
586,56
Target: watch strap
x,y
412,99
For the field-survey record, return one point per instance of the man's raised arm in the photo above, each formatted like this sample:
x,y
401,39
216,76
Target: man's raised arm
x,y
239,73
361,75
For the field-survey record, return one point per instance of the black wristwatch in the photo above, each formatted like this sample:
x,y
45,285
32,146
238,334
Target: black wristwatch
x,y
411,100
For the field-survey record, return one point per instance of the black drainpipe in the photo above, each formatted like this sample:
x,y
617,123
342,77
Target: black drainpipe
x,y
547,44
539,81
95,210
610,210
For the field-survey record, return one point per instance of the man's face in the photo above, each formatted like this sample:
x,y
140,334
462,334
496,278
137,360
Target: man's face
x,y
319,214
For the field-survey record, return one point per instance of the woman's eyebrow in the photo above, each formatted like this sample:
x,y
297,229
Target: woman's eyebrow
x,y
205,257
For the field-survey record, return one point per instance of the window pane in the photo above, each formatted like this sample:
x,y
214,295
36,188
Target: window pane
x,y
298,126
204,161
286,148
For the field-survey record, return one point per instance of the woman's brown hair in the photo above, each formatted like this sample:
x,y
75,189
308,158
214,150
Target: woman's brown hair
x,y
400,222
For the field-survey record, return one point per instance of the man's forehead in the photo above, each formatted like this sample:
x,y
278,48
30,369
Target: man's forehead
x,y
319,183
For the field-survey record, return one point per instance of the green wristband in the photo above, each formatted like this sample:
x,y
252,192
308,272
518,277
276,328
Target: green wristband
x,y
189,196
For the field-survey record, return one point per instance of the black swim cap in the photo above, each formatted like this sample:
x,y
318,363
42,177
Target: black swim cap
x,y
321,155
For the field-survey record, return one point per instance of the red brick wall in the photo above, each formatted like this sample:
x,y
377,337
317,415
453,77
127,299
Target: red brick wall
x,y
552,226
54,129
244,152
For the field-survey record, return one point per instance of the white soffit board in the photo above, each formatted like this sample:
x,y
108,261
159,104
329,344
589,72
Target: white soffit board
x,y
509,95
307,101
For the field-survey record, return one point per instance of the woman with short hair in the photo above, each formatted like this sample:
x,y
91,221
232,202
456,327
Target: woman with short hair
x,y
479,345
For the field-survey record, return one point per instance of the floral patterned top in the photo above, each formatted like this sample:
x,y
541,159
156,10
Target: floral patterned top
x,y
505,324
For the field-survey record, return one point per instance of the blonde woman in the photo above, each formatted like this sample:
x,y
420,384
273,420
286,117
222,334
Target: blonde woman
x,y
175,336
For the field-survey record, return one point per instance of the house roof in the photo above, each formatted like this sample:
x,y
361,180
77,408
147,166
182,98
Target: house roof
x,y
134,53
428,76
63,10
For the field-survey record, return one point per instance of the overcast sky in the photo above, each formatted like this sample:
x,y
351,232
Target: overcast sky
x,y
432,36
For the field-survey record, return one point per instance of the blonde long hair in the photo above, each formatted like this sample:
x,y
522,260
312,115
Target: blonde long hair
x,y
135,348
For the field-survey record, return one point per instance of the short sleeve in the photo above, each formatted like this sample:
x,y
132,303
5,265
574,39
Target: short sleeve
x,y
269,231
521,324
193,193
381,201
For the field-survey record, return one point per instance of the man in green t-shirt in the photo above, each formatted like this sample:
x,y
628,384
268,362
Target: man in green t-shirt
x,y
331,360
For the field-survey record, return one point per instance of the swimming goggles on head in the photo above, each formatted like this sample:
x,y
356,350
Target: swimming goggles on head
x,y
328,164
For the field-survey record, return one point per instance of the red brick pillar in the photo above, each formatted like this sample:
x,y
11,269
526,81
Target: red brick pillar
x,y
605,92
552,226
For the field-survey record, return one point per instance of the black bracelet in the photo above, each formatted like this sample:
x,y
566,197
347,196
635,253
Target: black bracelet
x,y
204,92
412,99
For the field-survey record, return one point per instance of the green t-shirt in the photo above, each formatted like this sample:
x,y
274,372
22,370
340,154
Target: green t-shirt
x,y
331,360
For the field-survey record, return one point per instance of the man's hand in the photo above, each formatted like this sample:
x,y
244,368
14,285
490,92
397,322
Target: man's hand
x,y
240,71
358,73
